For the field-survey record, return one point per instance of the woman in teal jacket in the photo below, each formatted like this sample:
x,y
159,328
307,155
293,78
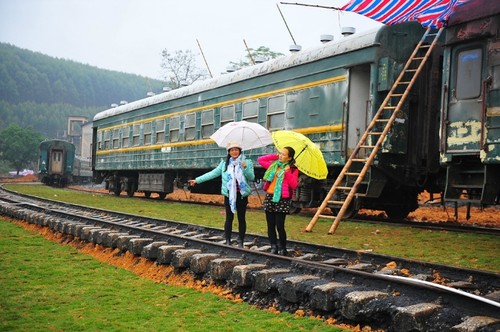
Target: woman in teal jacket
x,y
237,173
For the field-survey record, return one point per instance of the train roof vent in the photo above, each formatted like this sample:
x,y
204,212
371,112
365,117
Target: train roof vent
x,y
114,105
326,38
150,94
184,83
123,102
347,31
231,68
260,59
166,89
295,48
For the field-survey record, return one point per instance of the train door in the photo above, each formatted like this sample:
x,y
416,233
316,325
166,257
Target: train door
x,y
463,125
56,165
359,105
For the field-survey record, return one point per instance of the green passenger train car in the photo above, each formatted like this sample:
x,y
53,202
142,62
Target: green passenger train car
x,y
328,93
55,162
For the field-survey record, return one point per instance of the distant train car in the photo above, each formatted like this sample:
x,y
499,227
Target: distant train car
x,y
56,162
330,93
82,170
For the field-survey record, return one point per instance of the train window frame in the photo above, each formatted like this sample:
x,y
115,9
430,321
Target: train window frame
x,y
116,138
247,107
106,138
207,123
190,126
100,145
227,114
147,133
174,129
276,112
160,131
125,137
468,87
136,132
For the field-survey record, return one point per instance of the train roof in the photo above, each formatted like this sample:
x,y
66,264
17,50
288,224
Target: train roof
x,y
56,142
473,10
345,45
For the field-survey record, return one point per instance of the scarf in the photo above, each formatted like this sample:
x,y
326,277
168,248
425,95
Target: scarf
x,y
269,175
235,178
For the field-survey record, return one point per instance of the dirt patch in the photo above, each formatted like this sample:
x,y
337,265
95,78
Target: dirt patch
x,y
26,178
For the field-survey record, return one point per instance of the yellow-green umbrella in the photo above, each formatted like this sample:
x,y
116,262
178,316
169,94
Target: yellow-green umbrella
x,y
308,157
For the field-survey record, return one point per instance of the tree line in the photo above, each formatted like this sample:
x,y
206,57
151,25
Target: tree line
x,y
27,76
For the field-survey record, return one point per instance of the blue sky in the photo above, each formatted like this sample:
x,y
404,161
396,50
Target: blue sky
x,y
129,35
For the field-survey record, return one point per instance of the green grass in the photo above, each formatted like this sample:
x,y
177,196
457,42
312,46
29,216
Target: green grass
x,y
451,248
46,286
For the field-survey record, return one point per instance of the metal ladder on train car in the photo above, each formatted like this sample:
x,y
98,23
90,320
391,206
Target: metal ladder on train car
x,y
397,95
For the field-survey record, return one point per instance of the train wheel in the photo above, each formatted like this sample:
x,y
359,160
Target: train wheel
x,y
403,202
397,212
147,194
162,195
295,210
351,211
117,186
130,192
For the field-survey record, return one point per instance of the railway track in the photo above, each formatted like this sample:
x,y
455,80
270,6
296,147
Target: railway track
x,y
473,227
385,292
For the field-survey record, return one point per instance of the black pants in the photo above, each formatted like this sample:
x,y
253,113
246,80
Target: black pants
x,y
276,222
241,209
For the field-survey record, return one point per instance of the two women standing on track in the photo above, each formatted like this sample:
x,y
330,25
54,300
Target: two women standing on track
x,y
281,179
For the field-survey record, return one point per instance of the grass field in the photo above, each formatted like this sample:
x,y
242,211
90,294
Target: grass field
x,y
451,248
46,286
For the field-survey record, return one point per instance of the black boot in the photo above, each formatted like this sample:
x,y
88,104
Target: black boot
x,y
241,243
282,249
274,249
283,252
228,241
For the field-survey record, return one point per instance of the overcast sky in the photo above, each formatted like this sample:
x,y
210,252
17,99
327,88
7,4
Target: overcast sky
x,y
129,35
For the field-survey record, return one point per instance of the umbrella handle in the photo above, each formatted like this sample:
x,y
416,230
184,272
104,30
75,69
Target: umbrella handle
x,y
305,147
257,191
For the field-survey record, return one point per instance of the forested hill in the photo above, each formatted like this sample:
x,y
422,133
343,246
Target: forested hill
x,y
35,87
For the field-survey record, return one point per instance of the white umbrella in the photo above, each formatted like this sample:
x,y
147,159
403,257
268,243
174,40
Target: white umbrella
x,y
249,135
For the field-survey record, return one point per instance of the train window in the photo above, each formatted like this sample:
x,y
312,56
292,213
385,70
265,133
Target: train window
x,y
148,132
174,129
469,74
107,133
276,112
160,131
125,137
190,126
226,114
251,111
99,141
207,123
136,130
116,138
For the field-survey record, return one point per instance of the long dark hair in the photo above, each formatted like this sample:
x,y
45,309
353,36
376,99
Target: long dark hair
x,y
291,154
229,157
